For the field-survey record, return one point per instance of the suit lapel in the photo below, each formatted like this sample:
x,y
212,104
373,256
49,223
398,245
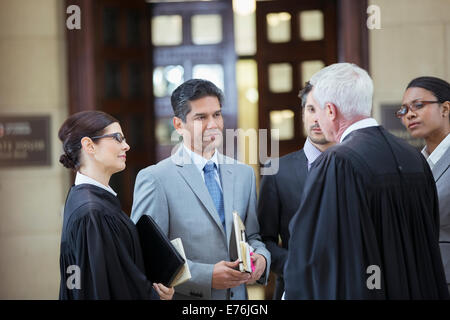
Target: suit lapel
x,y
227,179
441,166
193,179
301,167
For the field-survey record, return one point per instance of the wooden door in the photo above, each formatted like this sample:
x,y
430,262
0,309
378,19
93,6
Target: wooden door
x,y
193,39
108,62
294,40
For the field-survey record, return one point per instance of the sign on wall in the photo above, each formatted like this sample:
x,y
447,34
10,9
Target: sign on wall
x,y
24,141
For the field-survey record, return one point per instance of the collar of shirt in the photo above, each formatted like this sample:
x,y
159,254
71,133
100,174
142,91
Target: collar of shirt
x,y
81,178
199,161
311,152
437,154
361,124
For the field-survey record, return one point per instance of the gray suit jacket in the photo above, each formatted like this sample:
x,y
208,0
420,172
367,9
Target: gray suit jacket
x,y
175,195
441,173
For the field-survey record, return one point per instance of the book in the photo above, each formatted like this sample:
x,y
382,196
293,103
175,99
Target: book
x,y
164,260
184,274
239,248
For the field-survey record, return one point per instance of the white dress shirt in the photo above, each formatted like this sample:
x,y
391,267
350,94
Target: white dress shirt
x,y
81,178
437,154
200,163
311,152
361,124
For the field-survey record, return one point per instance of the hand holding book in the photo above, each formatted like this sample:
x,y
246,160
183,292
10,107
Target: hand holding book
x,y
249,262
226,275
165,293
259,263
164,260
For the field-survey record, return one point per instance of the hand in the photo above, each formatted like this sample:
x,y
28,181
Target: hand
x,y
260,265
225,276
164,292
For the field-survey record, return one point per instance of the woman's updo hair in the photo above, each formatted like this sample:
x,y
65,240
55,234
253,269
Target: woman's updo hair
x,y
77,126
438,87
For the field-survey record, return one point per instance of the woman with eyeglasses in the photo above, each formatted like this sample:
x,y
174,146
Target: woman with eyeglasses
x,y
100,255
425,114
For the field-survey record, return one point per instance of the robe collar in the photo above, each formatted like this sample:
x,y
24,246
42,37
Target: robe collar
x,y
361,124
81,178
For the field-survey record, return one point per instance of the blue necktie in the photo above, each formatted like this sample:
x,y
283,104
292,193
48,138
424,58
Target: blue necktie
x,y
214,189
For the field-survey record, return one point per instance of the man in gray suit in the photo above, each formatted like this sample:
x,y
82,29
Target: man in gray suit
x,y
192,194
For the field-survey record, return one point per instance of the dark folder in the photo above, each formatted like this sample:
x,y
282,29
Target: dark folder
x,y
162,260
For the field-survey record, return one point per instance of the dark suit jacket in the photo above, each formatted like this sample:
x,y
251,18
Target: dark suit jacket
x,y
279,199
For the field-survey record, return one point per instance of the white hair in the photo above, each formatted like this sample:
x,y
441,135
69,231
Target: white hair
x,y
345,85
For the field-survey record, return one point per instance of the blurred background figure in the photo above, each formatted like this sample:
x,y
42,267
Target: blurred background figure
x,y
425,113
280,193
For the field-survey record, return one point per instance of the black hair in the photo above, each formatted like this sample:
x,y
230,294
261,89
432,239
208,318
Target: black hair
x,y
440,88
77,126
303,94
192,90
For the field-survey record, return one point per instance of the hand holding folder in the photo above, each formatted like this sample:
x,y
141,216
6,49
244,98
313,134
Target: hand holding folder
x,y
165,261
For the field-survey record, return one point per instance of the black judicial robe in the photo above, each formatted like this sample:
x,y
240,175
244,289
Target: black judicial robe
x,y
100,239
369,201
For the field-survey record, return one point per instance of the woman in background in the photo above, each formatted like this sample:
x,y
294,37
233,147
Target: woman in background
x,y
425,113
100,255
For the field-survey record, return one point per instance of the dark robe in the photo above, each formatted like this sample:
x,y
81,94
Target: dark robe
x,y
369,201
100,239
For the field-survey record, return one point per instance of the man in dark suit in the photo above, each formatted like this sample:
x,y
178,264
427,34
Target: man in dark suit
x,y
279,195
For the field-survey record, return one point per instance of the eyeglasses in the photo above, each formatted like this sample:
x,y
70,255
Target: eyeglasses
x,y
413,106
116,135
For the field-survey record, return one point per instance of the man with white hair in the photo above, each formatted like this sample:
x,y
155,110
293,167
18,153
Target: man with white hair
x,y
368,223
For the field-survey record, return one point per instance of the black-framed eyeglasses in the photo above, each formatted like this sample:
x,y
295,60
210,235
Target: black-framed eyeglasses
x,y
116,135
413,106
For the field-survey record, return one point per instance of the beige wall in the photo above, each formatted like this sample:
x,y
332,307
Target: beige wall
x,y
414,40
32,82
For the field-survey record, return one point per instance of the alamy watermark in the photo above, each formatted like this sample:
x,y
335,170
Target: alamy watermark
x,y
374,18
257,139
74,20
374,280
74,280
